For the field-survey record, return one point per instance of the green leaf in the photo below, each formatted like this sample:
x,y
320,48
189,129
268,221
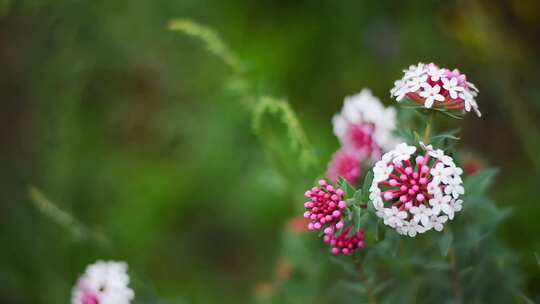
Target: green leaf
x,y
376,230
406,135
367,184
439,140
358,198
357,220
478,183
445,242
347,188
537,258
453,115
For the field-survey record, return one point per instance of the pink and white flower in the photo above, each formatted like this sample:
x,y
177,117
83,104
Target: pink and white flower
x,y
411,190
364,126
346,165
433,86
103,283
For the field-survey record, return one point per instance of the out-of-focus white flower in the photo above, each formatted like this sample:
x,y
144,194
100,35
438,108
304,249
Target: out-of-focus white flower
x,y
364,126
431,85
410,190
103,283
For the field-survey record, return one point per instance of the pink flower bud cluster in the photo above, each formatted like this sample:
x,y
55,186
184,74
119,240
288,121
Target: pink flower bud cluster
x,y
325,206
325,211
341,244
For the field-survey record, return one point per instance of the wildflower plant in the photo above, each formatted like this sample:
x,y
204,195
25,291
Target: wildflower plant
x,y
414,226
399,220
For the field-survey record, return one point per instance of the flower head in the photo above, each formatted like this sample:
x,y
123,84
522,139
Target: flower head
x,y
103,283
410,189
431,86
341,244
325,206
344,164
365,126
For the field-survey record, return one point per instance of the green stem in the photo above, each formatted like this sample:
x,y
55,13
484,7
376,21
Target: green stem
x,y
363,277
456,282
427,131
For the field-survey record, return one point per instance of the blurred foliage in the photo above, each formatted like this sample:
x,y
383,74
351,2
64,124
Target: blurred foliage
x,y
140,135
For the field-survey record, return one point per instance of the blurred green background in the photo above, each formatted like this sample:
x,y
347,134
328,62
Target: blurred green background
x,y
132,129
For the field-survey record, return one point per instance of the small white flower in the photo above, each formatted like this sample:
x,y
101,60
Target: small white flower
x,y
468,100
399,90
473,87
413,228
421,214
402,152
431,94
457,205
447,160
439,174
450,209
103,283
435,73
416,83
438,154
434,188
452,86
394,217
415,71
381,171
438,201
454,187
437,222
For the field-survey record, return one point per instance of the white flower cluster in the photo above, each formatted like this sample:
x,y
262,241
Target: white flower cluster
x,y
423,190
103,283
364,108
429,85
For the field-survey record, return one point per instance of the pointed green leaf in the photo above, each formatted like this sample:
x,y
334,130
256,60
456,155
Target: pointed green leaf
x,y
367,184
357,220
358,198
346,187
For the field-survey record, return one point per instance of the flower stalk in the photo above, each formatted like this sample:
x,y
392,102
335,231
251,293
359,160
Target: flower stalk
x,y
429,126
